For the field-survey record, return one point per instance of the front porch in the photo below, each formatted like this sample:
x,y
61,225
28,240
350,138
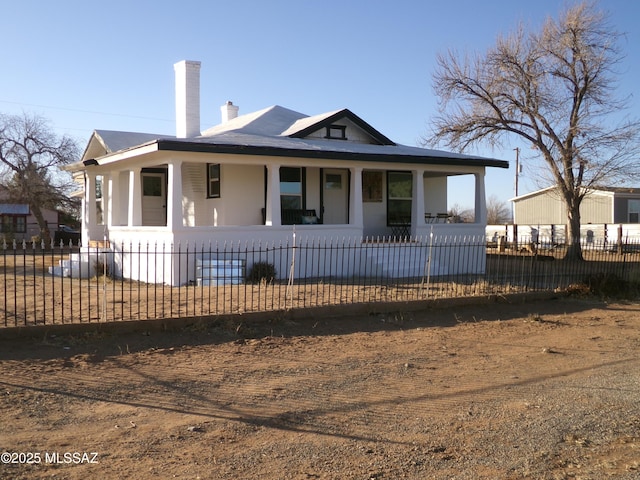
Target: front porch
x,y
173,203
184,201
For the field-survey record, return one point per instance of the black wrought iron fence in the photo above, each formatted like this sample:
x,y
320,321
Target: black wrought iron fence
x,y
126,281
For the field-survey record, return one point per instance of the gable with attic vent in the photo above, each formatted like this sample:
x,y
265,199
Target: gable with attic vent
x,y
339,125
343,129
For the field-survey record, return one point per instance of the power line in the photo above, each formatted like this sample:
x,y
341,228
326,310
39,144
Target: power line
x,y
86,111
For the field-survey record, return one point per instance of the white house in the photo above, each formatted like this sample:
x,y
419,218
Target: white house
x,y
255,175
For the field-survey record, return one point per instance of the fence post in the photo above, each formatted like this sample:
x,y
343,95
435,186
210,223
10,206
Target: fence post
x,y
620,239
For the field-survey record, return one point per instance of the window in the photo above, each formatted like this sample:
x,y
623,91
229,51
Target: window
x,y
290,188
372,186
634,211
333,182
399,193
338,132
213,180
21,224
13,224
151,186
99,200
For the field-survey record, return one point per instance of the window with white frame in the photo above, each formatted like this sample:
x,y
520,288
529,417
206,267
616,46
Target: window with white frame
x,y
291,188
213,180
399,193
99,191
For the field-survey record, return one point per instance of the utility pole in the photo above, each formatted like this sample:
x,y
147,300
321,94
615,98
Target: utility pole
x,y
517,149
513,214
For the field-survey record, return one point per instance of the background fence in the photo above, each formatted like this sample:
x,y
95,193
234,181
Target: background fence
x,y
109,283
603,235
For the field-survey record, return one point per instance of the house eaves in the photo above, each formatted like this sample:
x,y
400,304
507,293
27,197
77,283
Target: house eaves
x,y
363,154
234,143
275,132
128,153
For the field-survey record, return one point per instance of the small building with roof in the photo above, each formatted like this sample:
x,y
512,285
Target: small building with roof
x,y
601,205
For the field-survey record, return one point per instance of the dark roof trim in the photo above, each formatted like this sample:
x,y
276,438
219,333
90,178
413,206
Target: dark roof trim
x,y
345,113
178,146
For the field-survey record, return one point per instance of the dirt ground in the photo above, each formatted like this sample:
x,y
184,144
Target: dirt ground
x,y
541,390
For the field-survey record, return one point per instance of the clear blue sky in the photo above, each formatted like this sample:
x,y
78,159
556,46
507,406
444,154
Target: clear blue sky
x,y
109,65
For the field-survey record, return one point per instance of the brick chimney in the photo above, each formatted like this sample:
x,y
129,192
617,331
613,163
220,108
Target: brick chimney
x,y
187,98
229,111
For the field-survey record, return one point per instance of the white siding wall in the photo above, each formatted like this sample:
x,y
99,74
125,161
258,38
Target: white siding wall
x,y
121,216
194,192
241,196
435,195
313,189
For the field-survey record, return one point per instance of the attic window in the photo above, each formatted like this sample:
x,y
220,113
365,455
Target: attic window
x,y
336,132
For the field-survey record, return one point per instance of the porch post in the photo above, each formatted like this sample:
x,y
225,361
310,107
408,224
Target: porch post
x,y
417,201
481,202
134,210
89,205
174,195
272,213
356,216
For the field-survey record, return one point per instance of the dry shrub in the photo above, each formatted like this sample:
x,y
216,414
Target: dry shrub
x,y
261,272
608,285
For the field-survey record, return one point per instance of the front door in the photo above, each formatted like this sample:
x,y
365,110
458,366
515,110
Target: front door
x,y
154,199
335,195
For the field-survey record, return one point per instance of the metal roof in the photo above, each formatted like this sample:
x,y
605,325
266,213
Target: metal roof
x,y
278,131
14,209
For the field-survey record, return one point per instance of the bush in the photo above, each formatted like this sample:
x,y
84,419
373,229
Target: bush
x,y
607,285
102,268
261,271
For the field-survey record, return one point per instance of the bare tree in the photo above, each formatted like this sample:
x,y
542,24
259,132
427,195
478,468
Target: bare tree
x,y
459,214
30,157
498,212
554,89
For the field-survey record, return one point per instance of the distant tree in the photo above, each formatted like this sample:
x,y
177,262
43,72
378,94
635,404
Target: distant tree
x,y
498,212
30,157
459,214
553,89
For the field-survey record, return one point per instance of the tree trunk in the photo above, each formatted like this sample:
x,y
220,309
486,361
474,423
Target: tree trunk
x,y
45,234
574,247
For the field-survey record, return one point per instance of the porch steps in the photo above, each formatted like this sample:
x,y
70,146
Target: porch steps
x,y
79,265
66,268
